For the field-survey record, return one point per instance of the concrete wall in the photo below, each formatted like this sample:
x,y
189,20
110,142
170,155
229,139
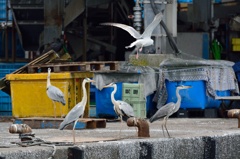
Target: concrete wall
x,y
216,147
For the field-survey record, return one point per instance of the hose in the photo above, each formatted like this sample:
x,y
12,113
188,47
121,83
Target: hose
x,y
170,38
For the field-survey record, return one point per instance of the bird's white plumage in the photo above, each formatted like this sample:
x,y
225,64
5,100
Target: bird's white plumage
x,y
144,39
148,31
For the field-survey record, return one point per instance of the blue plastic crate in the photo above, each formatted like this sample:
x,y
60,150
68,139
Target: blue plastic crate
x,y
194,97
3,15
212,103
150,105
238,76
9,113
184,1
3,7
104,105
236,67
5,102
11,65
7,68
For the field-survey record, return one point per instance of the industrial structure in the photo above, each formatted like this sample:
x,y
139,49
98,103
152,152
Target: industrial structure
x,y
27,26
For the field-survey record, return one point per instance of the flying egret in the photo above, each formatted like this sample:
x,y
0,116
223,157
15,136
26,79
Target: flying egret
x,y
142,40
168,109
54,93
77,111
121,108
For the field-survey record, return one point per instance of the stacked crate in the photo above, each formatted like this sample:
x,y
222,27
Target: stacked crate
x,y
133,94
236,68
235,44
3,10
5,99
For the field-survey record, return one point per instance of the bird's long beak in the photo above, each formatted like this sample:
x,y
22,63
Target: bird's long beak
x,y
109,85
92,81
187,87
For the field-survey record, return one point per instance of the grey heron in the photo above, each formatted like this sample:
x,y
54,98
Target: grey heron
x,y
142,40
54,93
168,109
121,108
77,111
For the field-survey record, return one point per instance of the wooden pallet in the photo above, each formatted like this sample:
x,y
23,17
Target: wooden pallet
x,y
93,66
53,123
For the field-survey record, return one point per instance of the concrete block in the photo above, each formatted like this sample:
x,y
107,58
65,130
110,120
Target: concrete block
x,y
153,60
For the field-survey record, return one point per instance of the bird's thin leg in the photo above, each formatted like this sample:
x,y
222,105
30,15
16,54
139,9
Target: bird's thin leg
x,y
162,126
61,111
119,135
73,132
137,55
135,123
54,107
166,126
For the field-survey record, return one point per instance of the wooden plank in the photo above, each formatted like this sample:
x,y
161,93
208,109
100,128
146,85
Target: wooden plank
x,y
93,66
53,123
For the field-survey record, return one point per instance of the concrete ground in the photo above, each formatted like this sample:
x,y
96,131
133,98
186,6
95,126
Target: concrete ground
x,y
193,137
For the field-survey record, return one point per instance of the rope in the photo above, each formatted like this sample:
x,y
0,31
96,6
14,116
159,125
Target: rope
x,y
40,142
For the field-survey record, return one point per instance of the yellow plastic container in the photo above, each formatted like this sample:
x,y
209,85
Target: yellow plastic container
x,y
236,41
236,47
29,97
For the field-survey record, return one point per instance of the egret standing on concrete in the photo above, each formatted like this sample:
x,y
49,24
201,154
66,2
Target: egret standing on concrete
x,y
77,111
142,40
122,109
168,109
54,93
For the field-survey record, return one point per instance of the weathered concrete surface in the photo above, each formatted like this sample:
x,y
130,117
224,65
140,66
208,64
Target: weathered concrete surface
x,y
153,60
191,138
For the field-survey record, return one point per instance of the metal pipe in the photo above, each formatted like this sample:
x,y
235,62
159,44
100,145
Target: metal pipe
x,y
171,40
137,20
141,124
